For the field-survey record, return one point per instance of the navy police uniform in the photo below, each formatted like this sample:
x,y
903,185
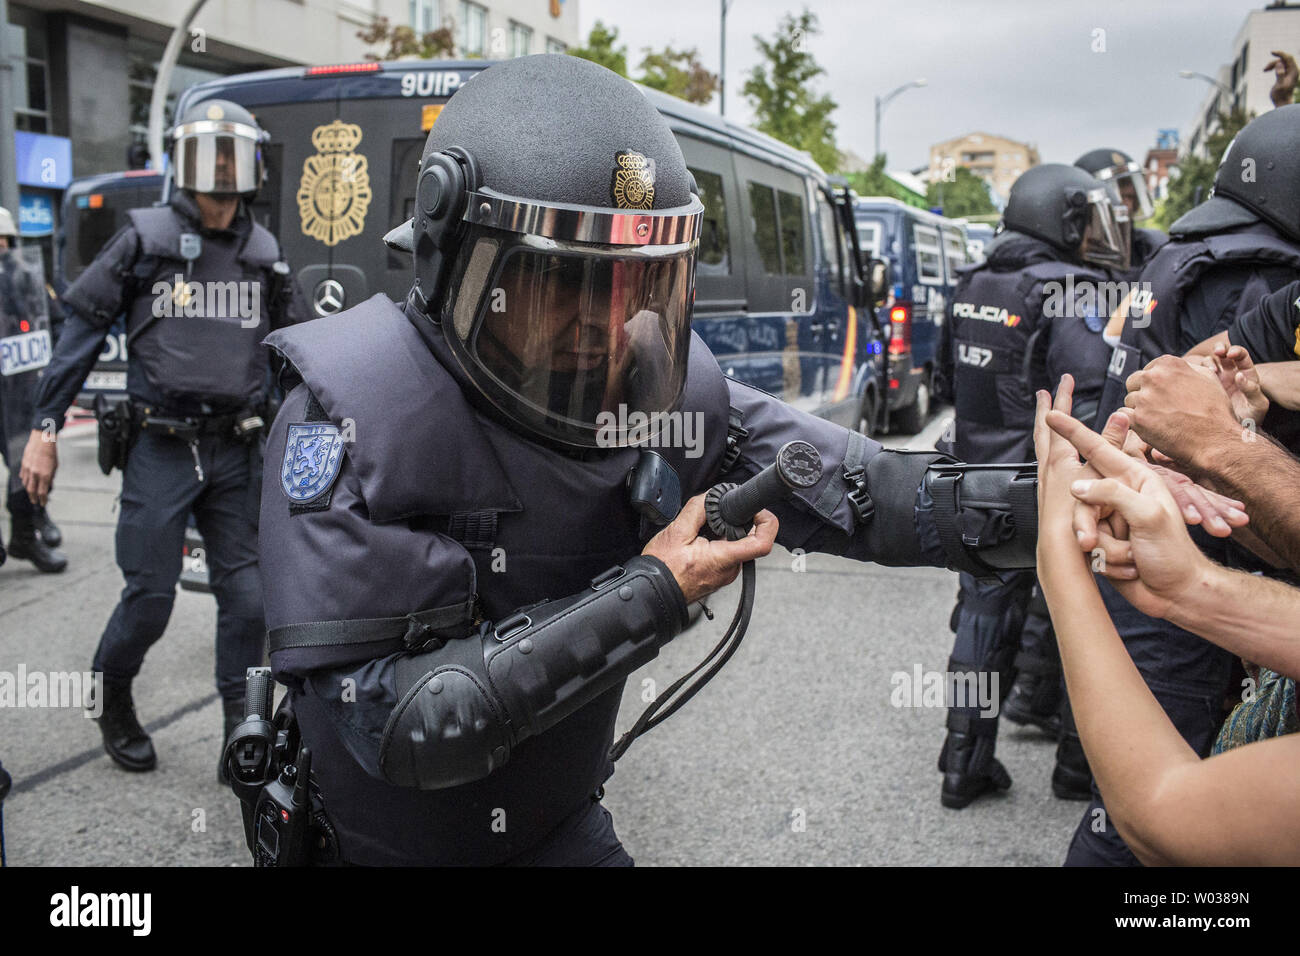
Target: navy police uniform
x,y
454,586
1019,320
196,357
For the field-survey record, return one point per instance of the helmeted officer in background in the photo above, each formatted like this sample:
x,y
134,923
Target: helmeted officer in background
x,y
24,350
457,578
1222,259
201,284
1019,320
1127,184
1038,694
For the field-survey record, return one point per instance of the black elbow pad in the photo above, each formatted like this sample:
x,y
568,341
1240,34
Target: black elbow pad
x,y
466,705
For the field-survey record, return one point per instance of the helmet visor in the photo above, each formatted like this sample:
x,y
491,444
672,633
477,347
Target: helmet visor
x,y
217,157
1108,236
585,344
1128,186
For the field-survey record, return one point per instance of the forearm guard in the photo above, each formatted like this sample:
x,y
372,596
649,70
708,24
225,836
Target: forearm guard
x,y
986,515
912,507
465,706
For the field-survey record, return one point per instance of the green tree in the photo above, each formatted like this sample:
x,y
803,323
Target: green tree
x,y
404,41
679,73
779,92
965,195
1196,175
874,182
601,49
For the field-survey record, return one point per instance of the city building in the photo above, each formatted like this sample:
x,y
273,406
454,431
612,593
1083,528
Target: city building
x,y
1242,82
997,160
1160,162
84,71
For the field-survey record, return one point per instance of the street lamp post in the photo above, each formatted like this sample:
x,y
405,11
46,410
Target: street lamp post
x,y
883,101
1192,74
163,82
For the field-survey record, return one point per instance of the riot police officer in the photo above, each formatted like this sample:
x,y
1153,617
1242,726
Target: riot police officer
x,y
458,564
1038,694
24,350
1222,259
1127,185
1019,320
201,283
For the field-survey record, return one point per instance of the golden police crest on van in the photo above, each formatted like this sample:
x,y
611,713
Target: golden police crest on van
x,y
334,191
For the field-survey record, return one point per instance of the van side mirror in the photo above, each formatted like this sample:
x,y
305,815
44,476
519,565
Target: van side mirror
x,y
878,281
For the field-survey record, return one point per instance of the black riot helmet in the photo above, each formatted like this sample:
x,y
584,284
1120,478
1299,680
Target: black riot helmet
x,y
216,147
1071,211
1258,179
1123,177
555,234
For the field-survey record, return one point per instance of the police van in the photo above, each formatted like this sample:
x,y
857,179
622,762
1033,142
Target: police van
x,y
923,251
94,208
779,287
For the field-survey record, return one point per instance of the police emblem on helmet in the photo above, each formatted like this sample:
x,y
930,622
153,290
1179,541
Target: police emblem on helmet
x,y
334,191
1118,159
215,112
634,181
312,456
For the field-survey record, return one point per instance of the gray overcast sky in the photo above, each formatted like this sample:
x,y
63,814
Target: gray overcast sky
x,y
1021,68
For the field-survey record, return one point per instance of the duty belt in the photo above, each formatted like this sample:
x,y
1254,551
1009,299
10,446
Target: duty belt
x,y
188,428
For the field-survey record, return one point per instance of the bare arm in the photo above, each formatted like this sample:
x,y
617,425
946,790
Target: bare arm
x,y
1169,806
1281,383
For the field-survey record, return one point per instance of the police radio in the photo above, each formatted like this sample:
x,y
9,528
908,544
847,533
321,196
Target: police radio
x,y
269,769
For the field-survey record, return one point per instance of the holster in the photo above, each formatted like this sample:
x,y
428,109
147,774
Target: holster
x,y
116,432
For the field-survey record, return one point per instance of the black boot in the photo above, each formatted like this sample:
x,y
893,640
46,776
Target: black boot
x,y
1035,698
124,738
233,712
26,545
1072,778
969,768
47,529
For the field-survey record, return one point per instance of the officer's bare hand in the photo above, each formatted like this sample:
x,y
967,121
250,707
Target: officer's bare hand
x,y
699,565
40,462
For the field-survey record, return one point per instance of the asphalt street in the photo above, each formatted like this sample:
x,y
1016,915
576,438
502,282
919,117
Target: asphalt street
x,y
793,754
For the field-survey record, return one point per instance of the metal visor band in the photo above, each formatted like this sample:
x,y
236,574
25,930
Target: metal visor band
x,y
217,162
1127,185
594,224
586,345
1107,238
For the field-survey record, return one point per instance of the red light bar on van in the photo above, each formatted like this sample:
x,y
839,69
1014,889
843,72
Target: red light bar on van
x,y
371,66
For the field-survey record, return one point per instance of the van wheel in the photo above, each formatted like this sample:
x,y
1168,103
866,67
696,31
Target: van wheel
x,y
912,419
867,415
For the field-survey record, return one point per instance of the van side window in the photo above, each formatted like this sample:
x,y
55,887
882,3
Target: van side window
x,y
869,238
762,200
713,258
929,265
954,251
792,232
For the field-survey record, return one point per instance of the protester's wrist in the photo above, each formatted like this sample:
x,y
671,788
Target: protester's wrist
x,y
1203,594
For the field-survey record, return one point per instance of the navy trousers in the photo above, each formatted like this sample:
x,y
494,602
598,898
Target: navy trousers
x,y
160,490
